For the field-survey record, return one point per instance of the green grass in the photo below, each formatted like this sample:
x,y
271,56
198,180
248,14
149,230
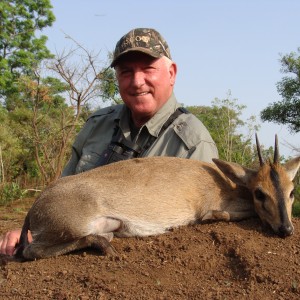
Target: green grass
x,y
296,209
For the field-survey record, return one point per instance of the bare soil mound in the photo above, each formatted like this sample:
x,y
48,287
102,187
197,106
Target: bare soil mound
x,y
208,261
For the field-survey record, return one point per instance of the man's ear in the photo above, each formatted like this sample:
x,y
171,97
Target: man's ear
x,y
173,72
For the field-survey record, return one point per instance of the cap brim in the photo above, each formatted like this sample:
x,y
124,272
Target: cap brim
x,y
137,49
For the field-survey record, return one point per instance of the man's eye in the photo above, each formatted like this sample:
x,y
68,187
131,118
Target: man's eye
x,y
149,68
124,72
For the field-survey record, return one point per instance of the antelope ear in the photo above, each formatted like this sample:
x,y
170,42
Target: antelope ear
x,y
238,174
292,167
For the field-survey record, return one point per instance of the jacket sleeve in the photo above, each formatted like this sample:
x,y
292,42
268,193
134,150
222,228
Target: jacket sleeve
x,y
204,151
70,168
96,131
197,139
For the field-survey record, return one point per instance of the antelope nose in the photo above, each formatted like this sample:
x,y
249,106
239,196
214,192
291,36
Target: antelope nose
x,y
285,231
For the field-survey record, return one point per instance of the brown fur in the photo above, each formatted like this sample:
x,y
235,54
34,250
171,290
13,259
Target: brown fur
x,y
147,196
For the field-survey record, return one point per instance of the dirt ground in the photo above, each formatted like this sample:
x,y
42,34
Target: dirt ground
x,y
208,261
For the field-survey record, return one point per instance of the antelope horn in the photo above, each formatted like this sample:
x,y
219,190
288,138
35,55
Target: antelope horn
x,y
276,150
261,161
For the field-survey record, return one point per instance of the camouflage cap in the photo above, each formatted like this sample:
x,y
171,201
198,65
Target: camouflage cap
x,y
146,40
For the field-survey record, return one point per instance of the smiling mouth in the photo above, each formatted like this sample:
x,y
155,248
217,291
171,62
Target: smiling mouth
x,y
140,94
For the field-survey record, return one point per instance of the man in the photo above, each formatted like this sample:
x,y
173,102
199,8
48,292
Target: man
x,y
149,123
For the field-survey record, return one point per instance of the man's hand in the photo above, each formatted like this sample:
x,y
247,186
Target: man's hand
x,y
9,241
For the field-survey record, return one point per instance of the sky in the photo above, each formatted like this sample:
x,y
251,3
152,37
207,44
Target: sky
x,y
219,46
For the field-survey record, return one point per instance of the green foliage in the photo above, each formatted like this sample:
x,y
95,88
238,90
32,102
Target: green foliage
x,y
109,87
11,150
226,128
38,120
287,111
296,209
9,192
296,206
43,114
20,49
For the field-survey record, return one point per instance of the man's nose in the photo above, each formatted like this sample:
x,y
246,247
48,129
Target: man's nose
x,y
138,78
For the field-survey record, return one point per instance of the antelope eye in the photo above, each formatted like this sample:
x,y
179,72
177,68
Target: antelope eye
x,y
292,194
260,195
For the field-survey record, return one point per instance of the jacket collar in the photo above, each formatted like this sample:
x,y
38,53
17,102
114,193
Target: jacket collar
x,y
155,124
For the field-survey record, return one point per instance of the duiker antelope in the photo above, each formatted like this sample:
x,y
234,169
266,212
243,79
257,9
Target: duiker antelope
x,y
147,196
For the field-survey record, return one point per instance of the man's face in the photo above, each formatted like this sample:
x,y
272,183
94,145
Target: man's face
x,y
145,84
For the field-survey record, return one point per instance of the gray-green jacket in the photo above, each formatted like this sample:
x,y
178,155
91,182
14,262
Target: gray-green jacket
x,y
186,137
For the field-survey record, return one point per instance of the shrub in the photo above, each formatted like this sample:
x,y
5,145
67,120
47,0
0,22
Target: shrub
x,y
296,206
9,192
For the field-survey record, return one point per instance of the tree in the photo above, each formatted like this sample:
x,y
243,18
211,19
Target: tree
x,y
11,150
49,105
109,87
20,49
226,128
52,105
38,122
287,111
